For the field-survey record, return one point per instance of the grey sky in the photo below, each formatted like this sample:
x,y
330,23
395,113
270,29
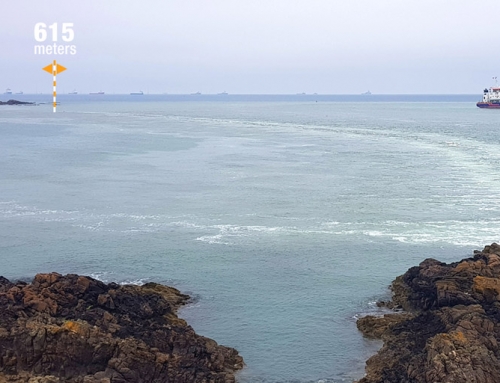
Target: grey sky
x,y
272,46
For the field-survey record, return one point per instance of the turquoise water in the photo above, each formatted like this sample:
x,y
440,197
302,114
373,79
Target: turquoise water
x,y
284,219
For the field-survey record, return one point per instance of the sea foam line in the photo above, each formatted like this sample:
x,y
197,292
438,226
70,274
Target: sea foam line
x,y
453,231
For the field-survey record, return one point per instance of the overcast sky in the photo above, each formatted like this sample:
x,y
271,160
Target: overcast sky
x,y
257,46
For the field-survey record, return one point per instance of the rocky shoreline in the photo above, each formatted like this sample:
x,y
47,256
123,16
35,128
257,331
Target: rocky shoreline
x,y
77,329
445,328
448,327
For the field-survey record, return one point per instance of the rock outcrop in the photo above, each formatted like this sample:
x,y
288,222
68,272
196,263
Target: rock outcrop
x,y
77,329
449,329
15,102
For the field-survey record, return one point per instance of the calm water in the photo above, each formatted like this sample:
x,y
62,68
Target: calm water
x,y
283,217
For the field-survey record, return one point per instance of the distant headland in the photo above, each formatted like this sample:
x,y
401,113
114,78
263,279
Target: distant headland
x,y
16,102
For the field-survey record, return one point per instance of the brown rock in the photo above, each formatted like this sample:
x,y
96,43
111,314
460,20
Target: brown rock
x,y
377,326
452,334
76,329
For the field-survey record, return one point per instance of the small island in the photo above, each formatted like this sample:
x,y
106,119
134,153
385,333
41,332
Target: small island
x,y
447,329
76,329
16,102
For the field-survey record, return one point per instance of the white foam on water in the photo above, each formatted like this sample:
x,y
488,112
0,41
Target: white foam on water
x,y
187,224
137,282
331,223
455,232
109,276
460,233
102,276
213,239
12,209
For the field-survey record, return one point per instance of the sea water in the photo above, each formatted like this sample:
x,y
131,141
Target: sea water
x,y
284,218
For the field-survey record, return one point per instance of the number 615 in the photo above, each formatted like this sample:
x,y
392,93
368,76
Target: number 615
x,y
41,33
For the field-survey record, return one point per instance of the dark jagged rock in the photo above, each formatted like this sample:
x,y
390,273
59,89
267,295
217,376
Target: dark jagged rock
x,y
76,329
450,329
15,102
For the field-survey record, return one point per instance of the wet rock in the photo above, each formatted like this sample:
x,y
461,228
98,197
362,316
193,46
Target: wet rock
x,y
76,329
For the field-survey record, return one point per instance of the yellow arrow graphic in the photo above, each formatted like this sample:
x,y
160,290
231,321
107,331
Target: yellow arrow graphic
x,y
59,68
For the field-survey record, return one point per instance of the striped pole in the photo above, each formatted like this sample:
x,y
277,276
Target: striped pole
x,y
54,73
54,69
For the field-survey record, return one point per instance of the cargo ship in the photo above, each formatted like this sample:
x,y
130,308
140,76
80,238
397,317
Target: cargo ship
x,y
491,98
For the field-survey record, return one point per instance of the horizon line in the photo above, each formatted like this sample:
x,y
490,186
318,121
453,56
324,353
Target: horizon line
x,y
243,94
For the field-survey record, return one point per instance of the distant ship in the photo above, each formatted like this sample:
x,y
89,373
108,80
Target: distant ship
x,y
100,92
74,92
368,93
8,91
222,94
196,94
21,92
140,93
491,98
